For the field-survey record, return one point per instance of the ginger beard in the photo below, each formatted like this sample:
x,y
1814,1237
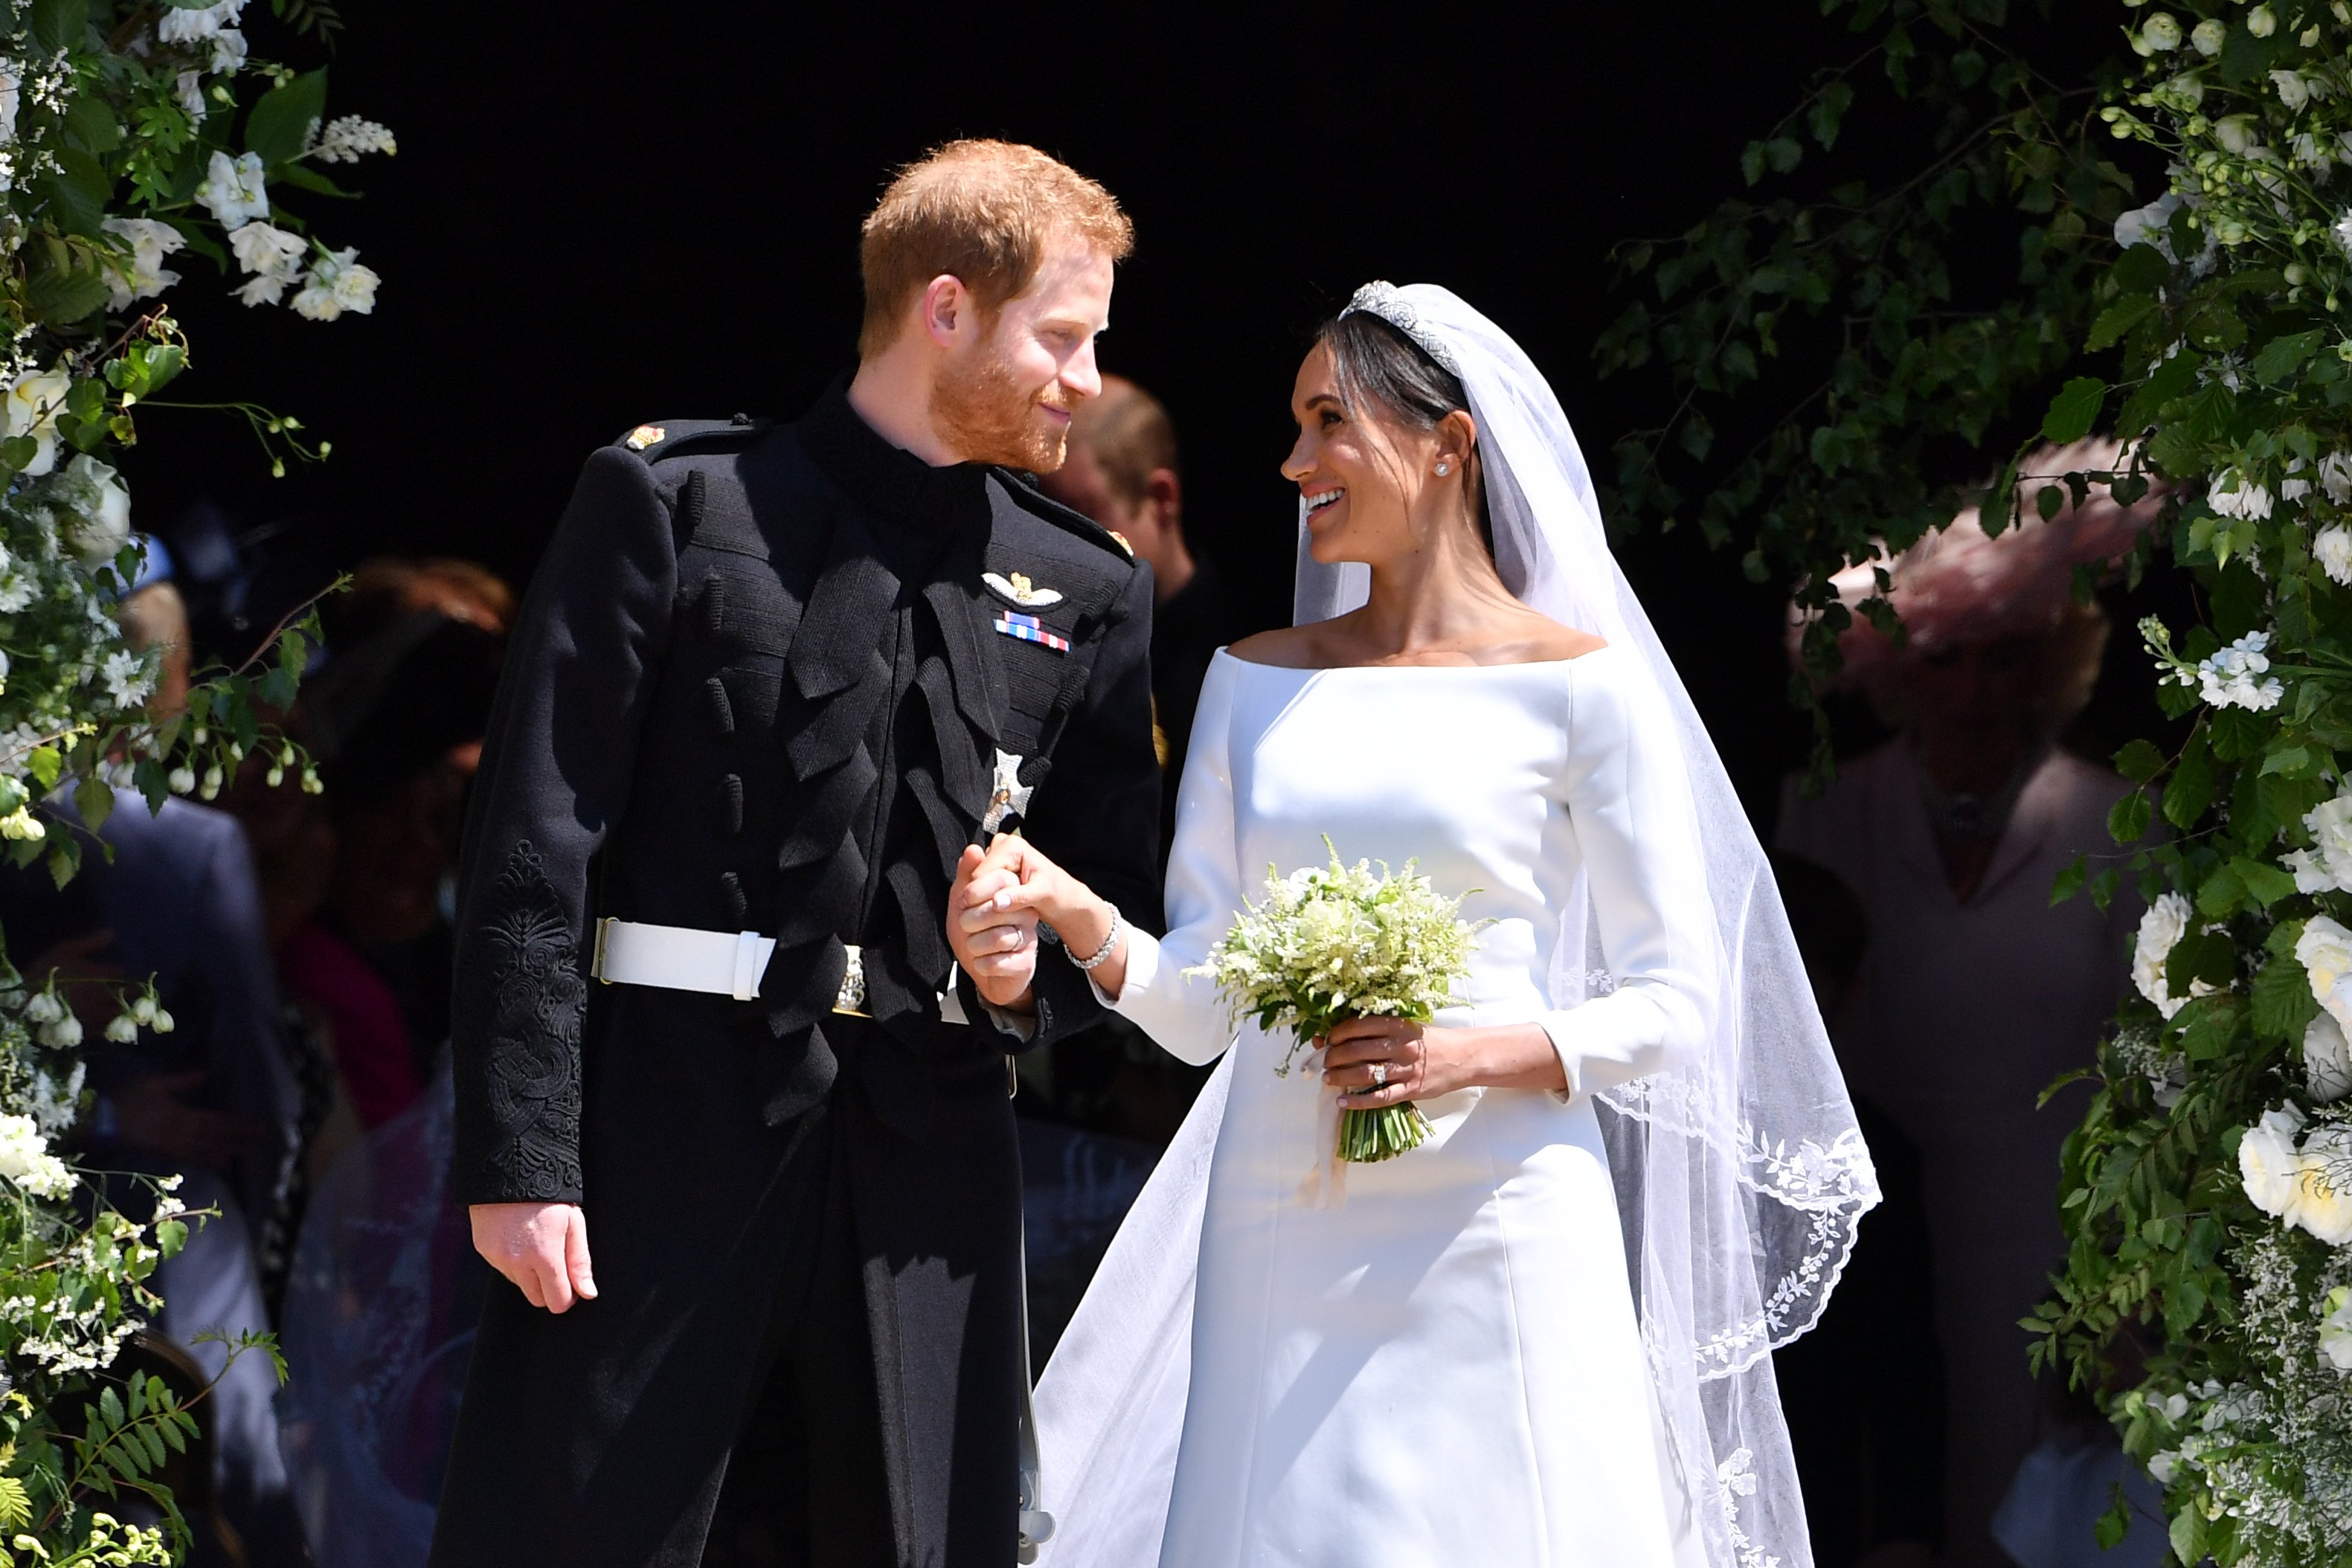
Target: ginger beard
x,y
980,407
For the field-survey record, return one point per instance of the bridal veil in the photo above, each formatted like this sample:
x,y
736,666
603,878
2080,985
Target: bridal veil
x,y
1740,1179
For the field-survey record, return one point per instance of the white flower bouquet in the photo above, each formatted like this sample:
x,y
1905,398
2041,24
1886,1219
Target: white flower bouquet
x,y
1333,942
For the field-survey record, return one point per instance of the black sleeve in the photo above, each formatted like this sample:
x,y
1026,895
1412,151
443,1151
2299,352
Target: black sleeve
x,y
1097,812
555,777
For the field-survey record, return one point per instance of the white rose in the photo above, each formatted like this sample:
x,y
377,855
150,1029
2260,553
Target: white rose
x,y
2325,951
2322,1203
2268,1166
2330,825
2327,1061
2161,33
2161,928
35,401
233,189
100,525
2336,1330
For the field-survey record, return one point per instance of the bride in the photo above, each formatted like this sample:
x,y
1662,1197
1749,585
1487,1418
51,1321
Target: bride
x,y
1542,1337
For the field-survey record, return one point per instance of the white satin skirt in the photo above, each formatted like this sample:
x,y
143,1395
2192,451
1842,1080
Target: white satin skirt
x,y
1444,1368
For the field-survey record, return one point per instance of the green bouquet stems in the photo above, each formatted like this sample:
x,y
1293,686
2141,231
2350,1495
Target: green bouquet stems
x,y
1368,1136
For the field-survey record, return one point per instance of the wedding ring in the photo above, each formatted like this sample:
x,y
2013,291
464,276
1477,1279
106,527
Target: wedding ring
x,y
1379,1072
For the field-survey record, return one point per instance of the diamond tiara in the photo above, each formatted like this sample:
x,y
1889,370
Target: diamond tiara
x,y
1386,300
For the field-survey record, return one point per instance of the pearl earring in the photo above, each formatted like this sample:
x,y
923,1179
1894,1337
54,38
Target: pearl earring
x,y
1442,468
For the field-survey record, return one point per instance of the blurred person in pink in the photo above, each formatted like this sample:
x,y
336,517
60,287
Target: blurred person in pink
x,y
1978,993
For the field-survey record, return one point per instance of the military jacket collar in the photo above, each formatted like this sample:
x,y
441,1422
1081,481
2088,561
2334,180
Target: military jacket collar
x,y
893,482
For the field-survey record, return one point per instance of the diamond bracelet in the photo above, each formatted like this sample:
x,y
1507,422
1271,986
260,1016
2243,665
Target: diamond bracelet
x,y
1117,929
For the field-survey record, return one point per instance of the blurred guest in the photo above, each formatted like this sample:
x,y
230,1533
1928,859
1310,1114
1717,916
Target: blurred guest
x,y
1123,472
1976,992
1863,1394
215,1101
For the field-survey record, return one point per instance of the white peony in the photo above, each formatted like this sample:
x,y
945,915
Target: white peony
x,y
150,240
26,1160
2231,494
2322,1203
2335,477
2233,676
2268,1165
233,190
35,401
2161,928
2330,857
179,27
2209,36
2333,550
2327,1061
2336,1330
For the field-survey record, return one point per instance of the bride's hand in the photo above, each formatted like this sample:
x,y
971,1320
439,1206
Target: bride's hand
x,y
1422,1062
1387,1061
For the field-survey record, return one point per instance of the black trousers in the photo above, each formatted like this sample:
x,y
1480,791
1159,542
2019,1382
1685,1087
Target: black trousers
x,y
805,1486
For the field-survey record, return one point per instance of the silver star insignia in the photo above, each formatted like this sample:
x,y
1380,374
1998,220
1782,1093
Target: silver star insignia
x,y
1010,796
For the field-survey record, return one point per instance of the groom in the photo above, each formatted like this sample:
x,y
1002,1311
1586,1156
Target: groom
x,y
770,683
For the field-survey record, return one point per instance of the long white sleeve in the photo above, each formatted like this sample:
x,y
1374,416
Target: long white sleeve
x,y
1629,806
1187,1017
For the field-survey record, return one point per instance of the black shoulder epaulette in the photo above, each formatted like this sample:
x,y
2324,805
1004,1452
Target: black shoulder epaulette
x,y
681,438
1026,491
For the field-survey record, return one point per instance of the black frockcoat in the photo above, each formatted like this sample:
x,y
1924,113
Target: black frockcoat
x,y
758,685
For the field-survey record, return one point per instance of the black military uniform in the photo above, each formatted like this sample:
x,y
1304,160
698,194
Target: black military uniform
x,y
763,683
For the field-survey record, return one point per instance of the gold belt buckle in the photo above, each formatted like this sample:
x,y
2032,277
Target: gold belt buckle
x,y
851,1002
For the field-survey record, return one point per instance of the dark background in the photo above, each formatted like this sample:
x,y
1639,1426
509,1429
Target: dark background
x,y
601,216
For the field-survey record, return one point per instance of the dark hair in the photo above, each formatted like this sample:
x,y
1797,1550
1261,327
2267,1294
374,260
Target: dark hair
x,y
1375,363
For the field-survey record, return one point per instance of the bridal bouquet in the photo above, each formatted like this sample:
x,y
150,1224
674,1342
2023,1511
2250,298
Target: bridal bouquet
x,y
1333,942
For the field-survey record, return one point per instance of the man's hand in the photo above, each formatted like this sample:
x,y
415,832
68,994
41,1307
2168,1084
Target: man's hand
x,y
543,1247
148,1114
995,942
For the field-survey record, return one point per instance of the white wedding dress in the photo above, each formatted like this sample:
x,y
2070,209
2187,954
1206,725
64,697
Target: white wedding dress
x,y
1443,1367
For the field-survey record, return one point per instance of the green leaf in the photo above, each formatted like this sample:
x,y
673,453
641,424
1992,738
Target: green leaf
x,y
282,117
1828,113
2282,357
2284,1005
2139,762
2266,882
58,24
2075,410
2116,319
2068,882
2293,761
44,763
2175,378
2191,790
110,1406
303,176
2128,819
64,284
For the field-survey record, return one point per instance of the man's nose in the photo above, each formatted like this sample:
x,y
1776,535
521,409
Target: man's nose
x,y
1081,374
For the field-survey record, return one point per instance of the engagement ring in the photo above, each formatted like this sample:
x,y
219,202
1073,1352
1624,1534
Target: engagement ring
x,y
1379,1072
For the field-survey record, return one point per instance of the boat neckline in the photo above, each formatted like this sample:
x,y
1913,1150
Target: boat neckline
x,y
1333,669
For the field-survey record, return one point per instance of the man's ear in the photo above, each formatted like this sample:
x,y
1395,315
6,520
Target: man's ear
x,y
947,309
1163,494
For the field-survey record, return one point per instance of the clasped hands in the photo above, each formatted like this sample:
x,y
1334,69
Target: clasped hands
x,y
999,896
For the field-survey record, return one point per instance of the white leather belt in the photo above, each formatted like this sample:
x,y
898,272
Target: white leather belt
x,y
719,964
